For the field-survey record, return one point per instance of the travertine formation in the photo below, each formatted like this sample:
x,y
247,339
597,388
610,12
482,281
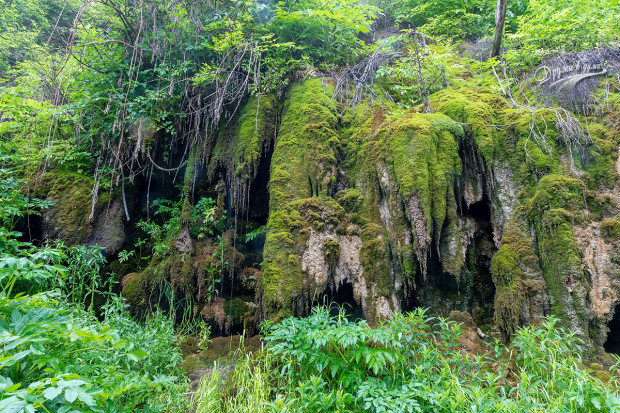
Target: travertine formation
x,y
388,209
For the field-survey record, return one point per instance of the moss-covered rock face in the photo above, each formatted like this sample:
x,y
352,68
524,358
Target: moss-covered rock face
x,y
423,201
414,161
478,207
520,297
240,146
305,157
70,218
368,200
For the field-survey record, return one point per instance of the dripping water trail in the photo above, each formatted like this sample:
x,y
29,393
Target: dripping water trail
x,y
235,193
229,195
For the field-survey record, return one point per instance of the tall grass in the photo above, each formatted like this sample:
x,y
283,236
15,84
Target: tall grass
x,y
249,387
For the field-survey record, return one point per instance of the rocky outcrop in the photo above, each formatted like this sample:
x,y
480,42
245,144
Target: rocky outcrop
x,y
68,219
459,210
385,210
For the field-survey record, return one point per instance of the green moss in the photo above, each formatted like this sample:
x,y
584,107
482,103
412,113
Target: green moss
x,y
420,151
304,159
236,310
241,146
188,184
598,371
600,205
508,268
610,230
331,250
303,171
477,110
508,303
395,164
558,192
350,199
505,268
282,277
179,269
137,294
72,196
601,157
563,272
288,231
375,259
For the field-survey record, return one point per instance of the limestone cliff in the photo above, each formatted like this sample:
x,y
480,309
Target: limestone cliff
x,y
386,209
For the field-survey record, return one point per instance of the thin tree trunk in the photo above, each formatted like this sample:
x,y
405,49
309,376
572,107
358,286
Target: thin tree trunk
x,y
500,20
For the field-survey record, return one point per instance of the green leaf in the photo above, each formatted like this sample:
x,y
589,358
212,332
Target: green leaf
x,y
137,355
86,398
12,405
52,392
71,394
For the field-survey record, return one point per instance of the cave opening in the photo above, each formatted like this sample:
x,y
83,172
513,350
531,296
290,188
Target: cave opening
x,y
472,290
342,297
479,255
612,345
31,229
259,190
258,211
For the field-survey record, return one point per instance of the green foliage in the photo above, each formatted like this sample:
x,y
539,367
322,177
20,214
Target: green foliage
x,y
253,234
454,19
83,278
161,235
564,25
204,219
13,203
404,77
56,356
326,31
26,25
326,357
412,363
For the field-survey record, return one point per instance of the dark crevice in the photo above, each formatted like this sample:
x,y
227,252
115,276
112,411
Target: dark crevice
x,y
259,190
479,255
612,345
342,297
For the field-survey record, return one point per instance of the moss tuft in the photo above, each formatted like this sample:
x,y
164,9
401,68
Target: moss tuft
x,y
71,194
350,199
236,310
331,250
610,230
241,146
137,294
477,110
508,269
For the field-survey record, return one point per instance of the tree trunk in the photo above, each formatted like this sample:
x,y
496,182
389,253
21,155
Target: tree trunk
x,y
500,19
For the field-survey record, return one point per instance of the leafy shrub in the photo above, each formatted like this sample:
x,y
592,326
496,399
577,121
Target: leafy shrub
x,y
13,203
557,26
57,356
454,19
327,31
403,79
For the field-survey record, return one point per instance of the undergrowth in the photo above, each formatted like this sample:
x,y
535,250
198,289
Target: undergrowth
x,y
59,353
412,363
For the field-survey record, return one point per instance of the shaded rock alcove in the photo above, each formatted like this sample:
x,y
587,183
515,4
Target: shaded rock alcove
x,y
612,345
